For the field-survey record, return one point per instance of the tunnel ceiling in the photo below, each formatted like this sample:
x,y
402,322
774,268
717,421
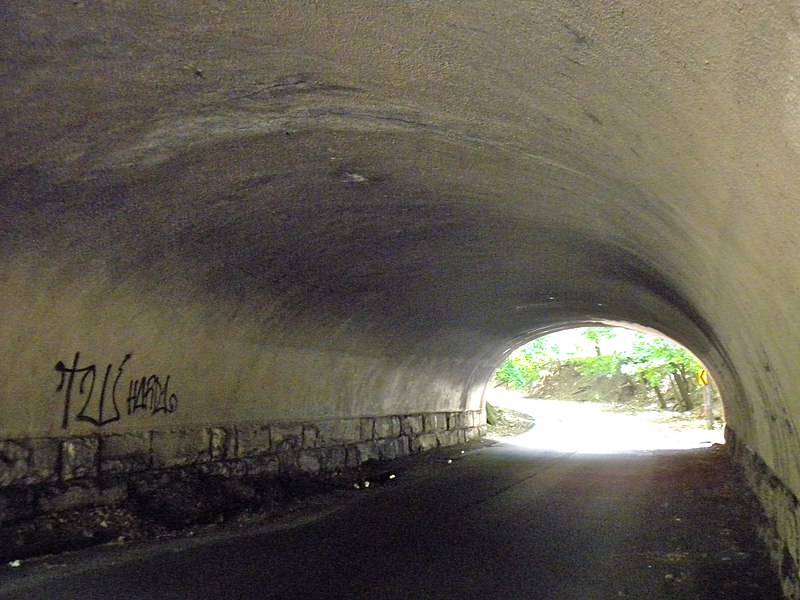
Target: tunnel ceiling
x,y
402,179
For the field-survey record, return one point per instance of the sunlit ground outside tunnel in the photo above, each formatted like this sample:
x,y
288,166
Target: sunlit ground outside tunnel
x,y
605,413
589,427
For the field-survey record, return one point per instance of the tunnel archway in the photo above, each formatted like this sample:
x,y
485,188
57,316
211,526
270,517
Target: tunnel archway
x,y
707,358
603,390
326,213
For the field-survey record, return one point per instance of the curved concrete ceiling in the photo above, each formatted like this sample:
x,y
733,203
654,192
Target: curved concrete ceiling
x,y
361,208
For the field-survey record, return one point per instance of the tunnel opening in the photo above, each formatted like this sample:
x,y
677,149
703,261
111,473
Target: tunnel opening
x,y
604,389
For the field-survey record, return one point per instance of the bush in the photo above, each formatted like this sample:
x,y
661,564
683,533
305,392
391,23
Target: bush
x,y
608,364
518,371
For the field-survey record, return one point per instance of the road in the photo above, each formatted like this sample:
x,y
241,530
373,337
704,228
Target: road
x,y
499,522
593,427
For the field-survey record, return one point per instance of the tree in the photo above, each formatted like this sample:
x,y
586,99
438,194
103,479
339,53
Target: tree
x,y
656,361
519,370
522,367
596,334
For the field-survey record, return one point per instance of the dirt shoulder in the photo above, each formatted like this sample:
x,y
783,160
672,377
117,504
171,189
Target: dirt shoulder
x,y
508,423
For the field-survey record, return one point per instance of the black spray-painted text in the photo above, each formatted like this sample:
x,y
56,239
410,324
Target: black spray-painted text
x,y
149,394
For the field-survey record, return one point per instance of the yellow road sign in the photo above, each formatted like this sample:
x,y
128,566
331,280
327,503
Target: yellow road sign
x,y
702,377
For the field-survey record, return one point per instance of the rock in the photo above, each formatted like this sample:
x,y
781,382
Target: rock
x,y
492,417
175,448
252,441
411,424
286,437
125,452
79,457
14,462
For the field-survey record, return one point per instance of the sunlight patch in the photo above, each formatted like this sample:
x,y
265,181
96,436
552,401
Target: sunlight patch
x,y
607,390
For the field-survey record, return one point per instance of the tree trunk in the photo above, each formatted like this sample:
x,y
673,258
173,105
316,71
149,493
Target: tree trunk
x,y
708,407
662,402
691,382
676,395
680,383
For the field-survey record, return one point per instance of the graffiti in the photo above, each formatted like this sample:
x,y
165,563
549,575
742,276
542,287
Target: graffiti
x,y
145,394
149,394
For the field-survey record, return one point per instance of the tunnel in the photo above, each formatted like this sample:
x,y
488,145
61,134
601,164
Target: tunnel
x,y
312,230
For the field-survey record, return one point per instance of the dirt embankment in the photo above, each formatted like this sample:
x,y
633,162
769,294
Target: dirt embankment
x,y
563,382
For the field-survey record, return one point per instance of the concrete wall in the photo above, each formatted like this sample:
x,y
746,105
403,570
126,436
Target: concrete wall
x,y
41,476
298,212
779,529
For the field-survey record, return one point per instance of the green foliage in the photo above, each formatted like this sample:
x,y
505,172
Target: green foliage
x,y
654,361
596,335
520,369
607,364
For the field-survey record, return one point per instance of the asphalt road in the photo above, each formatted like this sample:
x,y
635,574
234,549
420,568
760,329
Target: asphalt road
x,y
501,522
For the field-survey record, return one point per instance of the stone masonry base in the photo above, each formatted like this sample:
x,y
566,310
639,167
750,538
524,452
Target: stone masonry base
x,y
40,476
781,528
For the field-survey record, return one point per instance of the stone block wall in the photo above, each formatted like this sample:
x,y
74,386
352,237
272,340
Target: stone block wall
x,y
781,528
46,475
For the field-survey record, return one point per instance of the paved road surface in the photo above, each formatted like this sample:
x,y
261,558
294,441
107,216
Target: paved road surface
x,y
501,522
592,427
